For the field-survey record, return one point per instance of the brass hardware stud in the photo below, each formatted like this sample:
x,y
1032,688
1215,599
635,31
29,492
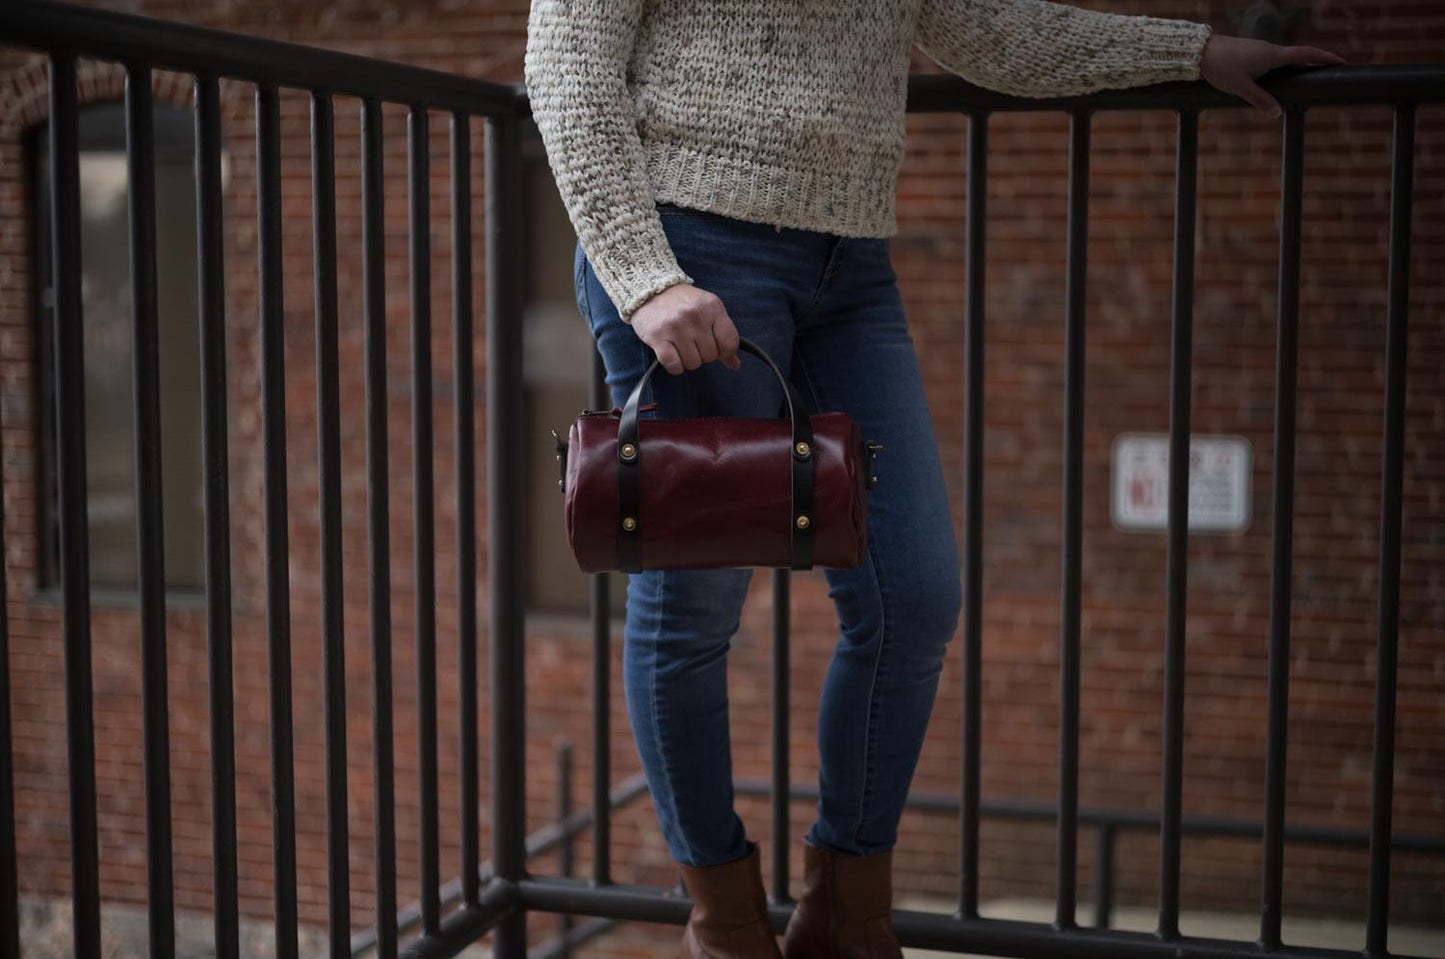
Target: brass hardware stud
x,y
628,523
804,522
628,451
802,448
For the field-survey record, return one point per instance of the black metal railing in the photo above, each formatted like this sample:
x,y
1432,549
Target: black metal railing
x,y
1107,825
141,45
497,897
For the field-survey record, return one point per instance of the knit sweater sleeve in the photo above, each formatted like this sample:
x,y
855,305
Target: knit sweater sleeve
x,y
1035,48
575,69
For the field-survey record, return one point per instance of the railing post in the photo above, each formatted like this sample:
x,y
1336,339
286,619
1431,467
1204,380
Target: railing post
x,y
418,154
328,441
378,522
564,807
1104,875
1073,517
1282,526
278,573
212,294
973,416
464,393
74,526
150,548
505,416
1402,171
1177,570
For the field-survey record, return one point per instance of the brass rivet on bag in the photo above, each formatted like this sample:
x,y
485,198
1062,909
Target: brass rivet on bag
x,y
628,451
803,522
628,523
802,448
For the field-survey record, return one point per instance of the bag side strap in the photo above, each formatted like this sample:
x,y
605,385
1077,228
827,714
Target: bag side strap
x,y
629,479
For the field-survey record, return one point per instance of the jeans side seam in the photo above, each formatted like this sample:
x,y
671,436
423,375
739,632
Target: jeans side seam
x,y
885,614
659,726
870,753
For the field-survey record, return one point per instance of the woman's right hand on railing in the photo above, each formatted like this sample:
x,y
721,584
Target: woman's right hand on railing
x,y
687,327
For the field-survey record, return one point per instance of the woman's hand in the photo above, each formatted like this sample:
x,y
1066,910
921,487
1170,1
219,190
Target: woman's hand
x,y
687,327
1231,64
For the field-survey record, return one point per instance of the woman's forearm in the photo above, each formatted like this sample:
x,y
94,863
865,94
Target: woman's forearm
x,y
1040,49
576,61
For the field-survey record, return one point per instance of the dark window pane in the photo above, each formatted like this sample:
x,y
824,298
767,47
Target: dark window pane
x,y
106,297
559,352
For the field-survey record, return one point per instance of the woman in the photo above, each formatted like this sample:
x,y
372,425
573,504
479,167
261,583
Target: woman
x,y
729,167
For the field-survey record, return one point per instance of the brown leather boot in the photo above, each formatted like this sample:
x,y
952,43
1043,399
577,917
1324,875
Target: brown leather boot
x,y
729,917
846,908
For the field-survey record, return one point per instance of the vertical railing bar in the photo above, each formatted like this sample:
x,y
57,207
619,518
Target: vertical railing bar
x,y
564,808
212,297
782,783
328,407
1282,528
505,415
465,392
74,531
1103,875
1402,171
278,587
418,172
1078,231
973,425
1176,572
150,547
9,876
601,613
378,524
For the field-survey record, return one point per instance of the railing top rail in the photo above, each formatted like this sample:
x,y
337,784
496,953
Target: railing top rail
x,y
63,27
1292,86
51,26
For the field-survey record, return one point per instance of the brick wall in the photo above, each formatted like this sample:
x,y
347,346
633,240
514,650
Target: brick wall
x,y
1336,510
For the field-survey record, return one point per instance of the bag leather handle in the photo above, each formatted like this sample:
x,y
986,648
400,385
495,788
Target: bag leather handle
x,y
629,480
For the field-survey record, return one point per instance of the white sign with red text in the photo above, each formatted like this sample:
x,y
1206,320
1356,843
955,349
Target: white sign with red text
x,y
1219,482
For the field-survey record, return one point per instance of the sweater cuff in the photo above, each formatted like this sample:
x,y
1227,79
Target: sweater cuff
x,y
1173,47
645,289
635,266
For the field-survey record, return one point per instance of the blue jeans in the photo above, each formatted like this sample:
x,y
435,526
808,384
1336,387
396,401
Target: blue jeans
x,y
827,309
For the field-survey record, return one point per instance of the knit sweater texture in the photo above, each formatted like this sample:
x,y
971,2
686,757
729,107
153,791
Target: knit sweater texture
x,y
785,112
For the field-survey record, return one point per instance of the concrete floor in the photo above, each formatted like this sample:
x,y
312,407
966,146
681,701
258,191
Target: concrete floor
x,y
45,930
1298,931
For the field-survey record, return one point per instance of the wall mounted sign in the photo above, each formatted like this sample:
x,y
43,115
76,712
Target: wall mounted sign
x,y
1219,483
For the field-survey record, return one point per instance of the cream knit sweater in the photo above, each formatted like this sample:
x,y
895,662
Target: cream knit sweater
x,y
787,112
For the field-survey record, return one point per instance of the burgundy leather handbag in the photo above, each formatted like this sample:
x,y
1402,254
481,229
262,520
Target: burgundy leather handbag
x,y
716,491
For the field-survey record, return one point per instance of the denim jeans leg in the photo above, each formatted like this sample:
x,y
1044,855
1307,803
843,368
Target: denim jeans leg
x,y
898,610
680,623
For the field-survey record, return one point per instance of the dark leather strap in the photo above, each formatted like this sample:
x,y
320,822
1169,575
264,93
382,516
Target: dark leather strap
x,y
629,479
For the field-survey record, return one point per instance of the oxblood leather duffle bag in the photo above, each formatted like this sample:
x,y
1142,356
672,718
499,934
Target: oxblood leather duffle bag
x,y
716,491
